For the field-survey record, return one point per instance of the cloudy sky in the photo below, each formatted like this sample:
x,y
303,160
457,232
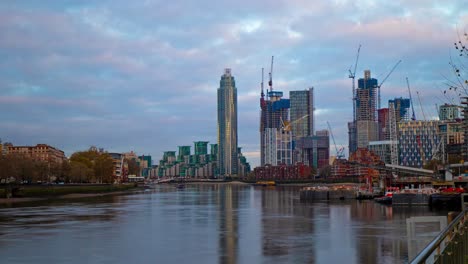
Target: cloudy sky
x,y
142,75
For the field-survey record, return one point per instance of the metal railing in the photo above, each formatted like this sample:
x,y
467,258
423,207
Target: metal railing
x,y
451,245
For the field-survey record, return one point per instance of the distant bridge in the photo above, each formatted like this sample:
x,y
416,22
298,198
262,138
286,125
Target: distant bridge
x,y
397,169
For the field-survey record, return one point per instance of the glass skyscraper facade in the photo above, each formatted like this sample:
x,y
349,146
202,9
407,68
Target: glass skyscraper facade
x,y
302,113
227,126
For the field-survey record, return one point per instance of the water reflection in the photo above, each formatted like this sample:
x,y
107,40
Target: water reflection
x,y
212,223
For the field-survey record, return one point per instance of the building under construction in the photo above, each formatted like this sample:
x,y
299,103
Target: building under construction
x,y
274,113
358,166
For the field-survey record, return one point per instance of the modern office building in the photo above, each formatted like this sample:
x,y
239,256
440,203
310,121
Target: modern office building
x,y
227,126
366,131
302,113
448,112
417,142
314,150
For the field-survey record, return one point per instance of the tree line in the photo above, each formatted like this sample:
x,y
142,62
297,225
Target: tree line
x,y
91,166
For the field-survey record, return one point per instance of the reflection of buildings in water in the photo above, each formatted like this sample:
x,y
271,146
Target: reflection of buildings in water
x,y
286,225
228,224
335,235
378,243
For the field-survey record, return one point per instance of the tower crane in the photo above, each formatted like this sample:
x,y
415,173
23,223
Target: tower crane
x,y
287,125
270,82
352,75
420,105
378,86
262,98
261,85
339,153
413,117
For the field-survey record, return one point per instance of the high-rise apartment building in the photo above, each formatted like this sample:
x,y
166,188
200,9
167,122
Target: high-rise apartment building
x,y
278,149
448,112
227,125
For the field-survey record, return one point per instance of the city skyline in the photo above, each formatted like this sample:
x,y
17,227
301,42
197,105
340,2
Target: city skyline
x,y
142,77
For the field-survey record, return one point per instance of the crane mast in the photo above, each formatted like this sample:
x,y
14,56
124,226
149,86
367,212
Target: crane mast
x,y
393,134
420,105
339,153
413,117
378,86
352,75
262,85
270,82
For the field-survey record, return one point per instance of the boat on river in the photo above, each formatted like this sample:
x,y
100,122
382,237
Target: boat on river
x,y
447,197
265,183
386,199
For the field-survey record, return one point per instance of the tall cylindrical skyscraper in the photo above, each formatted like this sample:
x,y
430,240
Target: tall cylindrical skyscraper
x,y
227,125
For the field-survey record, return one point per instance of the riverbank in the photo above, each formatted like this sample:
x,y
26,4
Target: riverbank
x,y
32,193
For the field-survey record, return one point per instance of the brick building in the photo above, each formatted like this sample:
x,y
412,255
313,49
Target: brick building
x,y
40,152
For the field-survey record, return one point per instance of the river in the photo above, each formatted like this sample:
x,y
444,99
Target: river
x,y
208,223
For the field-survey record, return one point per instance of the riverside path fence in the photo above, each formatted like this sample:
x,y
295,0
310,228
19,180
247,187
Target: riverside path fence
x,y
450,245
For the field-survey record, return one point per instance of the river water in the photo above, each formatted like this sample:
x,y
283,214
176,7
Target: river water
x,y
208,223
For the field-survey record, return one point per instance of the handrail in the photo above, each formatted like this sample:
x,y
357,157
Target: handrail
x,y
434,244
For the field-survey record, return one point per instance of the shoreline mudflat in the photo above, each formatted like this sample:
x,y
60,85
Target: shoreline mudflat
x,y
66,196
44,194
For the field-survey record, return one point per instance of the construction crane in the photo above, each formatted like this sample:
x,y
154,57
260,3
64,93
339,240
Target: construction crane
x,y
270,82
413,117
378,86
261,85
287,125
393,134
352,75
262,98
420,105
339,152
